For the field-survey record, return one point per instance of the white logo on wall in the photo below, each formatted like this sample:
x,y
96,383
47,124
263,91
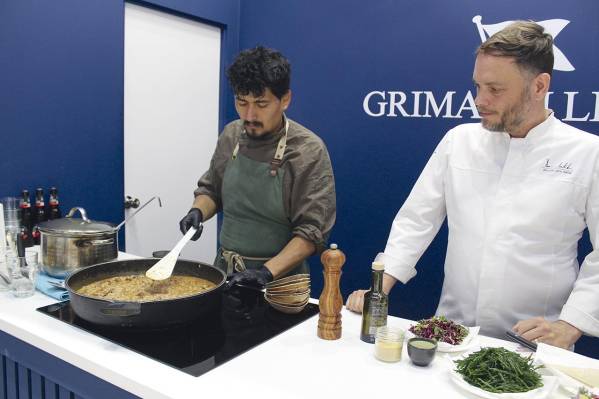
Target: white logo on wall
x,y
552,26
430,104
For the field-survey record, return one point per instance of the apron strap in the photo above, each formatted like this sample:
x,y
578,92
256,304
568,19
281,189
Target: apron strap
x,y
275,163
235,261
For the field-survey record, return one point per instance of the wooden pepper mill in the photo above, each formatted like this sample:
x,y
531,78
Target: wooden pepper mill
x,y
329,319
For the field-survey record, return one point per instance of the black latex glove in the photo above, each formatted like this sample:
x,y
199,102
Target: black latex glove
x,y
253,277
194,218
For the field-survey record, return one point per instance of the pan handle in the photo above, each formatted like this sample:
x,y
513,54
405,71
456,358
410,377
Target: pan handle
x,y
122,309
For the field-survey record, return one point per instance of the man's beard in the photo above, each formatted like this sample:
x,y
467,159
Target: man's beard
x,y
256,136
248,125
513,117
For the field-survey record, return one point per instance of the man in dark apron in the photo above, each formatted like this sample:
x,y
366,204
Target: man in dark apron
x,y
270,176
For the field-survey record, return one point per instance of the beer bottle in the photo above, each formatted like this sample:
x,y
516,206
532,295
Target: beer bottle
x,y
39,214
26,221
53,209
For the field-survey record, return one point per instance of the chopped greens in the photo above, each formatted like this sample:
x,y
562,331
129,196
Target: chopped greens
x,y
441,330
500,370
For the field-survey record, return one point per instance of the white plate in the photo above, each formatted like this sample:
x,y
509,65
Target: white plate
x,y
551,356
570,384
470,341
550,383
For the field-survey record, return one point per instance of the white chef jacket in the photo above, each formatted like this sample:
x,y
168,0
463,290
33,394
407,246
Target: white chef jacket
x,y
516,208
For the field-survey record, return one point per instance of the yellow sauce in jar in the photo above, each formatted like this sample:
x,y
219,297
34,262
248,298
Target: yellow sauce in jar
x,y
388,344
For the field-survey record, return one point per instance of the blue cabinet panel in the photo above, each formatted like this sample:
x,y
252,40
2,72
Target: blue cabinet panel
x,y
12,379
50,390
64,393
24,381
28,372
20,382
3,376
37,386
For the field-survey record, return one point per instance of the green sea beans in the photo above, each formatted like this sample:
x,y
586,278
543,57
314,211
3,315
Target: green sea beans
x,y
499,370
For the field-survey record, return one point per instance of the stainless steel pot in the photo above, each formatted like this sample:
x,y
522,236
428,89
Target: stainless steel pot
x,y
70,243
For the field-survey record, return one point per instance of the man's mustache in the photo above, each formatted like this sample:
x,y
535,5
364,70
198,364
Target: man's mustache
x,y
252,124
484,110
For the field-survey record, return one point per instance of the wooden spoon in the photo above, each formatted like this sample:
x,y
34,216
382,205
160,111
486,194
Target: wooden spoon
x,y
164,267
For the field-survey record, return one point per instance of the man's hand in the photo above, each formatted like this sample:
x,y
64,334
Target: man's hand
x,y
255,277
194,218
557,333
355,302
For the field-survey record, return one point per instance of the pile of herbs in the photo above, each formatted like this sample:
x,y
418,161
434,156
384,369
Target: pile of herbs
x,y
499,370
441,330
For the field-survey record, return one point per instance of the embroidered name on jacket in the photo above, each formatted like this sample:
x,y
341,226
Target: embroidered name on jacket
x,y
560,167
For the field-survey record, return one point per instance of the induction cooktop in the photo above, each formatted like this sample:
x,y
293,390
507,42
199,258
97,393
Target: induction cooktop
x,y
245,321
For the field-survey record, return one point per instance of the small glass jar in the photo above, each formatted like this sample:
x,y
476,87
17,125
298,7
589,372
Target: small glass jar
x,y
23,273
388,344
4,279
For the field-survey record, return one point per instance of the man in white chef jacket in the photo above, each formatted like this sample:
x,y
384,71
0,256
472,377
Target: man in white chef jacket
x,y
518,190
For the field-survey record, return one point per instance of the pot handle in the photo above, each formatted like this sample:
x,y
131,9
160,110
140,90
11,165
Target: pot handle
x,y
87,243
81,211
102,242
118,227
122,309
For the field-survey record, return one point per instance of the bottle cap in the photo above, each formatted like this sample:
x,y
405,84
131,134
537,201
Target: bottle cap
x,y
333,246
378,266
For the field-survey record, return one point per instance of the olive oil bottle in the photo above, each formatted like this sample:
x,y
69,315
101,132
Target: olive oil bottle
x,y
376,305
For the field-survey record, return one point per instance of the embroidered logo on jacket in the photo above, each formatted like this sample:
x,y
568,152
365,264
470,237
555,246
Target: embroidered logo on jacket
x,y
561,167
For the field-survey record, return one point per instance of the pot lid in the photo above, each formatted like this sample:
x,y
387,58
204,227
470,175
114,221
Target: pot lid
x,y
71,225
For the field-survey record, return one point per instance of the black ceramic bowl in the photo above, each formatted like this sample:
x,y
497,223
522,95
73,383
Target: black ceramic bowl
x,y
421,351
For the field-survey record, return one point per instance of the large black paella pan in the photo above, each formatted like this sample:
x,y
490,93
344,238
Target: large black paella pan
x,y
144,313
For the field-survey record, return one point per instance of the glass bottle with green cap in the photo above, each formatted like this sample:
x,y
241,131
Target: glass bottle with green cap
x,y
376,304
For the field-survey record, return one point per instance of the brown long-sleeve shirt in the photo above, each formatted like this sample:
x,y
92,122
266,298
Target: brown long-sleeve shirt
x,y
308,182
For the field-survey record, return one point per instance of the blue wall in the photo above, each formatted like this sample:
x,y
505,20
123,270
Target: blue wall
x,y
61,95
61,85
61,101
341,50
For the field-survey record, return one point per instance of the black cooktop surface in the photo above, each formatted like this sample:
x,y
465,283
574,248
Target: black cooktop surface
x,y
245,321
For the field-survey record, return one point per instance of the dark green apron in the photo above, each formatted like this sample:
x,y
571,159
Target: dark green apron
x,y
255,227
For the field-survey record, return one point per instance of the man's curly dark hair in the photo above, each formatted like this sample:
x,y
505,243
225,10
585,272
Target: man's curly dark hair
x,y
257,69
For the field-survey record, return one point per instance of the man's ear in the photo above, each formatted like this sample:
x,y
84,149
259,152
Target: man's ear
x,y
286,100
541,85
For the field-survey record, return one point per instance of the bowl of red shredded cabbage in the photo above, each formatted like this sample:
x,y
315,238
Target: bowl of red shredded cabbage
x,y
440,329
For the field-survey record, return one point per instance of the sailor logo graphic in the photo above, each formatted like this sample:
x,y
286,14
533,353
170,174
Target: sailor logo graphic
x,y
552,26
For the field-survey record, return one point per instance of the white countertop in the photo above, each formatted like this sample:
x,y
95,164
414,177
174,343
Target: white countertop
x,y
295,364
